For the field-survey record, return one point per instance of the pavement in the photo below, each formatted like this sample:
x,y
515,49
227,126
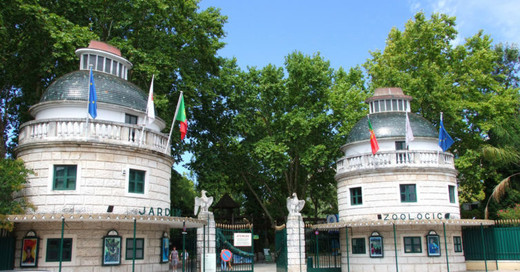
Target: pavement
x,y
265,267
271,267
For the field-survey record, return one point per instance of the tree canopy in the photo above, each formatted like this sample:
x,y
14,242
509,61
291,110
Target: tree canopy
x,y
270,132
13,176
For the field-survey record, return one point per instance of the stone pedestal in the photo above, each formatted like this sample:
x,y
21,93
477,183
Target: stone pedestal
x,y
206,252
295,243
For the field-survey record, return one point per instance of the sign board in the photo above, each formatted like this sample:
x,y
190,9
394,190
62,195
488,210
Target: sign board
x,y
242,239
210,263
226,255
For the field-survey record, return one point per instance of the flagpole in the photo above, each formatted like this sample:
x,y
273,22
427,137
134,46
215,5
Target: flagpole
x,y
146,115
88,100
173,122
438,152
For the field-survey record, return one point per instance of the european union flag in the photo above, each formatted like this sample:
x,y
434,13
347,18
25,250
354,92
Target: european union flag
x,y
445,141
92,97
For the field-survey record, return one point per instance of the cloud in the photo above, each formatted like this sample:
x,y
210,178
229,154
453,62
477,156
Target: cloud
x,y
499,19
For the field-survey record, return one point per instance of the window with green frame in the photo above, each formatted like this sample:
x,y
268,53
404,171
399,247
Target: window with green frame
x,y
451,190
64,177
53,250
457,243
139,248
136,181
358,246
356,197
408,193
412,244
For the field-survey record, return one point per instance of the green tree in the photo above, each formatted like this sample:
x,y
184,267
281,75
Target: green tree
x,y
172,39
269,132
13,176
182,192
502,153
473,84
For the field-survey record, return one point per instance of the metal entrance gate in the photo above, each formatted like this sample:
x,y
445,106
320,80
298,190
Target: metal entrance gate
x,y
227,239
322,250
7,246
189,242
281,248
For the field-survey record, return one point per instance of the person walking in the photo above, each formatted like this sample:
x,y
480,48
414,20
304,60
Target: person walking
x,y
174,259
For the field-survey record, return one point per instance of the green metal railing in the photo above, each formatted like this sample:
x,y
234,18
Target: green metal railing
x,y
322,250
281,249
7,247
243,257
500,243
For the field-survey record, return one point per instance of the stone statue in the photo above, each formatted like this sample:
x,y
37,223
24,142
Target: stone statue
x,y
294,205
203,202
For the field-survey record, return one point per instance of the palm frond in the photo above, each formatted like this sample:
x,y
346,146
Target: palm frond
x,y
498,192
506,155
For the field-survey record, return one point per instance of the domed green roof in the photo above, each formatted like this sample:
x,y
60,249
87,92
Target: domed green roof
x,y
109,89
391,124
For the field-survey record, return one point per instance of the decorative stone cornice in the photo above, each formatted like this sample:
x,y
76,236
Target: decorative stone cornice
x,y
372,223
174,222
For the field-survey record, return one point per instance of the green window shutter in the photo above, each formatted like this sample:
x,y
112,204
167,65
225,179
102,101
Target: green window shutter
x,y
457,243
136,181
451,190
139,248
64,177
408,193
358,246
356,197
53,250
412,244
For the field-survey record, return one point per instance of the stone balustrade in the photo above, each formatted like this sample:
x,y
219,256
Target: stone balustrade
x,y
77,130
389,159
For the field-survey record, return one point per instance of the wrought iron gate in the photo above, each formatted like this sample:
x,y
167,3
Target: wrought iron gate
x,y
242,256
281,248
322,250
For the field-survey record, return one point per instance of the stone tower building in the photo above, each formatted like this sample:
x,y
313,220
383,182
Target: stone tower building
x,y
100,186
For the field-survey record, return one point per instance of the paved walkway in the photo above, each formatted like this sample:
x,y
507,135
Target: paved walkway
x,y
265,267
271,267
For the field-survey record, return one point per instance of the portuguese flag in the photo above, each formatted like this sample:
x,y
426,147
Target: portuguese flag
x,y
373,140
181,117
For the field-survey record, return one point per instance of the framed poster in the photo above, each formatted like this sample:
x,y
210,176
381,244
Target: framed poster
x,y
434,249
376,245
165,249
111,250
29,252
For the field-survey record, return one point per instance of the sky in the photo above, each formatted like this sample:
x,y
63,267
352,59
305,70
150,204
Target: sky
x,y
262,32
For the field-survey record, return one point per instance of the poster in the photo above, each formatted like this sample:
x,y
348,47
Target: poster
x,y
165,249
376,247
434,249
29,252
111,250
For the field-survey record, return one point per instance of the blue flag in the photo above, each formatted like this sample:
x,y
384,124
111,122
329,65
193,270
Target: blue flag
x,y
92,97
445,141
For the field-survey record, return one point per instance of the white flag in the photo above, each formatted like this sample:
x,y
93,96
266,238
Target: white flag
x,y
150,109
409,132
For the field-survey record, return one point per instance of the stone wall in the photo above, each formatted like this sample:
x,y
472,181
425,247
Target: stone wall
x,y
102,179
87,245
381,194
407,262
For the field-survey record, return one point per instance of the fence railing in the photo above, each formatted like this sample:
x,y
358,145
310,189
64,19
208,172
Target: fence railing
x,y
388,159
500,243
96,131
